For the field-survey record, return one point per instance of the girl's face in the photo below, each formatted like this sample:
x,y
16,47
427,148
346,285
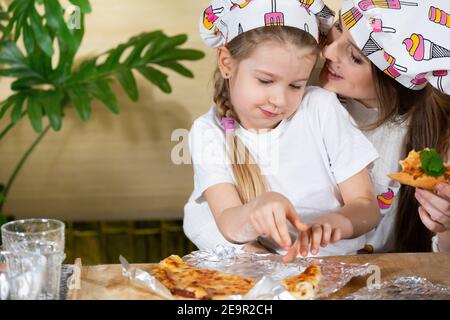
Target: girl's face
x,y
347,71
267,86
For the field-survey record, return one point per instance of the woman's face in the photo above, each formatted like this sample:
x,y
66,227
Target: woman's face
x,y
347,71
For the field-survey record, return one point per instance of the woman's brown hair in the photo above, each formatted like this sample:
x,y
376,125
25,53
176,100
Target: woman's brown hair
x,y
427,113
249,180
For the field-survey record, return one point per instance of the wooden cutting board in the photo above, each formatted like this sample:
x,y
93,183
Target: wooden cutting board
x,y
106,282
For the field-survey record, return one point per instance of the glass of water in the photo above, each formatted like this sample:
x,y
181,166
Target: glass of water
x,y
43,236
21,275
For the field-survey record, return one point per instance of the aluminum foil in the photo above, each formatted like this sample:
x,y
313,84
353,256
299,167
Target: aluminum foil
x,y
145,279
404,288
268,269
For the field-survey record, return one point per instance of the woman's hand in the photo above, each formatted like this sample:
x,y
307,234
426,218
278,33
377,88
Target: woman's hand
x,y
435,208
269,215
317,235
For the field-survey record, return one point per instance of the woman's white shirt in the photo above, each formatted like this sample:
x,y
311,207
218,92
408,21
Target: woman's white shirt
x,y
388,139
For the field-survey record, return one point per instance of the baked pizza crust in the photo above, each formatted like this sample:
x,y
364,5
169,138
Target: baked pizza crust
x,y
424,182
305,285
188,281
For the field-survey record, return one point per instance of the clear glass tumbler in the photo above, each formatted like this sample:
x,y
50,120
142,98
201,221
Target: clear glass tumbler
x,y
44,236
21,275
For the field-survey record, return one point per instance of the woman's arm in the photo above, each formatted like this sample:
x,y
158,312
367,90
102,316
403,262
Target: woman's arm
x,y
240,223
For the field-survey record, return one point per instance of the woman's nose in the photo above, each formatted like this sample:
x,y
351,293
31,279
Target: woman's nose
x,y
330,51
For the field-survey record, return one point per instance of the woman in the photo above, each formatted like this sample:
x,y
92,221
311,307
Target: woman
x,y
400,103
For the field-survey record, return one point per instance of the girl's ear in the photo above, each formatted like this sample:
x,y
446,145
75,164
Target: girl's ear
x,y
225,62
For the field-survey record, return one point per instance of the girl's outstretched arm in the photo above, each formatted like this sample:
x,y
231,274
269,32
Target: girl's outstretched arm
x,y
360,212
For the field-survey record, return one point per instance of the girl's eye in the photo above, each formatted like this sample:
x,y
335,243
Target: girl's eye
x,y
338,26
265,81
295,87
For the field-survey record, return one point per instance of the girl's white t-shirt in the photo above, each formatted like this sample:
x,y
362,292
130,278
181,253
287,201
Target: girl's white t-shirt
x,y
304,158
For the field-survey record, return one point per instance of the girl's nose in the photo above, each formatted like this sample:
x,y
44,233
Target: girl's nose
x,y
277,99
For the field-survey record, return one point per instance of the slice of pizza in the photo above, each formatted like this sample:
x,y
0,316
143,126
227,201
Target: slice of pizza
x,y
306,284
423,169
188,281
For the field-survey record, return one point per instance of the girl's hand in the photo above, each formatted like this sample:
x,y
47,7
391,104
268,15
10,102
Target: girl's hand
x,y
435,208
317,235
269,215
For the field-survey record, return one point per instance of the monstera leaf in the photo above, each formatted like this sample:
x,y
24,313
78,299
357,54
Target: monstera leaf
x,y
42,89
4,18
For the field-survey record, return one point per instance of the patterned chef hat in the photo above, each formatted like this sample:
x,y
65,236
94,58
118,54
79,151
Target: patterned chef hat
x,y
408,40
223,20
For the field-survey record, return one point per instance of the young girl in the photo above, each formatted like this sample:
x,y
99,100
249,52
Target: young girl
x,y
394,71
272,150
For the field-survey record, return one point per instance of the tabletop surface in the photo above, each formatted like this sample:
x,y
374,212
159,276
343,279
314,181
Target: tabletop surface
x,y
106,282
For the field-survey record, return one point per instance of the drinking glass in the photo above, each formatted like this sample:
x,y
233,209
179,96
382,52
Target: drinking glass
x,y
44,236
21,275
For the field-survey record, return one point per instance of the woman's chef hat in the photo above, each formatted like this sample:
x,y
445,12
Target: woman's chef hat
x,y
223,20
408,40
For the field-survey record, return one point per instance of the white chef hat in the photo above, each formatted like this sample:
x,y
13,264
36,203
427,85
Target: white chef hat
x,y
223,20
408,40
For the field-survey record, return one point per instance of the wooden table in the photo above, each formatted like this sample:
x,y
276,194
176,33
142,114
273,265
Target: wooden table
x,y
106,282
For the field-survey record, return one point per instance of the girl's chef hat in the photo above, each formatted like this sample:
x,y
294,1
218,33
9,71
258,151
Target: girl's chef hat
x,y
408,40
223,20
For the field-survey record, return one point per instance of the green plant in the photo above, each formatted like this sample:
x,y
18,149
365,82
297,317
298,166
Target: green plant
x,y
3,18
42,91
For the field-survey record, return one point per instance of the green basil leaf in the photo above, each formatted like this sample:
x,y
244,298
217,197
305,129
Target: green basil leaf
x,y
432,163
